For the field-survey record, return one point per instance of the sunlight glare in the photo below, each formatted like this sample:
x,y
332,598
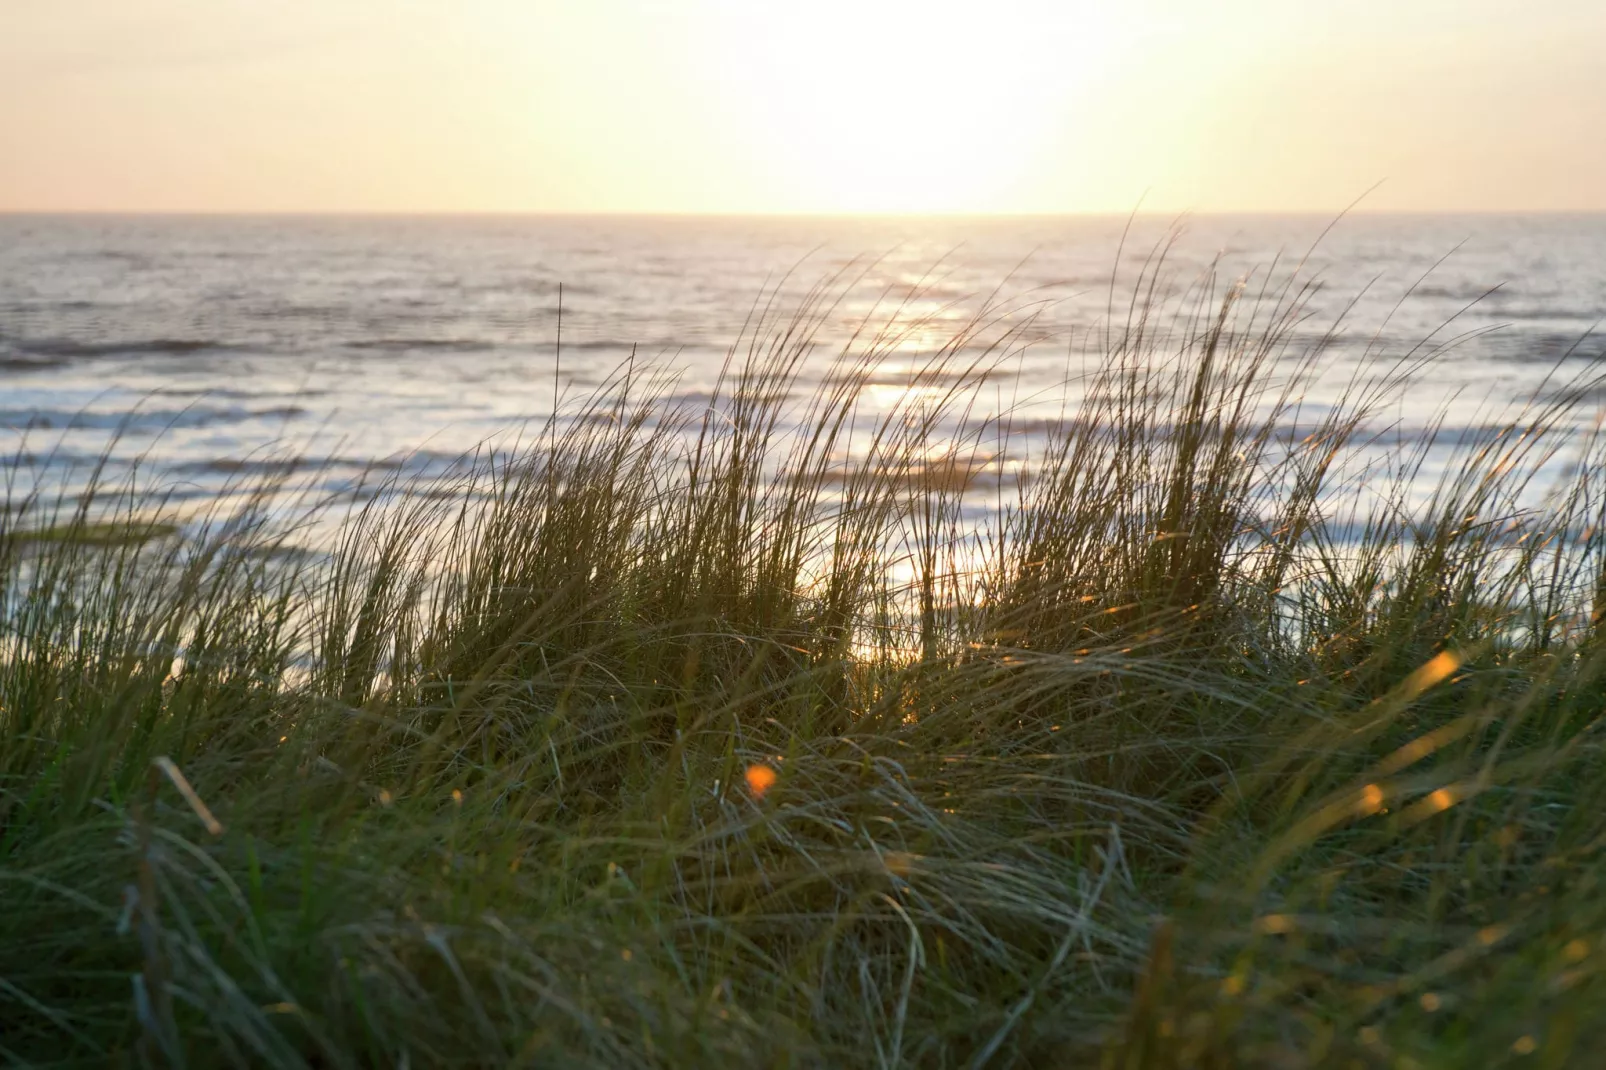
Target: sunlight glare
x,y
908,107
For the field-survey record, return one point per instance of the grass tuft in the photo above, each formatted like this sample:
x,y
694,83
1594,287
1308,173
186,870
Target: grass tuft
x,y
777,728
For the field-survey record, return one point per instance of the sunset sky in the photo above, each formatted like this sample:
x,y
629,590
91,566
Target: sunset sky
x,y
823,106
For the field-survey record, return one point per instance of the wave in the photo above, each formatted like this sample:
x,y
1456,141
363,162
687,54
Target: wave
x,y
1520,347
1451,293
1593,314
401,345
219,393
19,363
917,378
138,420
615,345
276,464
65,348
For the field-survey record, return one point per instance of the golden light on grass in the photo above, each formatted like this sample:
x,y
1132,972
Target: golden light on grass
x,y
1427,744
1371,799
1525,1045
1438,801
1275,924
1434,671
899,863
760,778
179,781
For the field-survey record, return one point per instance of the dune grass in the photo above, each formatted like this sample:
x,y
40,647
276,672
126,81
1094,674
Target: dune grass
x,y
739,734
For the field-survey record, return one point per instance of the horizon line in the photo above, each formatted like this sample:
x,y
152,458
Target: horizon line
x,y
328,213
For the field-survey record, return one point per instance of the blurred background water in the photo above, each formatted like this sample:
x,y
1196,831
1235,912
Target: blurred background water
x,y
201,345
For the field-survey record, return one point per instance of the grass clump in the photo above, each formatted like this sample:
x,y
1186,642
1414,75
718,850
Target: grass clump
x,y
740,732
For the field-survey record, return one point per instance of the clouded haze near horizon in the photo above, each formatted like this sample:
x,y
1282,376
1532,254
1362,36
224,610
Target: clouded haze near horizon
x,y
726,106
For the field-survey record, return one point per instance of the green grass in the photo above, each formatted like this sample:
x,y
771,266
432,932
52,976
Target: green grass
x,y
1172,760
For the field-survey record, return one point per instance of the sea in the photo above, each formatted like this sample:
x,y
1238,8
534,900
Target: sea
x,y
193,348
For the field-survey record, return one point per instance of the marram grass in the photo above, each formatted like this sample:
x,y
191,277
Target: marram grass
x,y
725,735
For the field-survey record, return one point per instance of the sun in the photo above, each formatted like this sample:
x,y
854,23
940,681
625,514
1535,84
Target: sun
x,y
899,106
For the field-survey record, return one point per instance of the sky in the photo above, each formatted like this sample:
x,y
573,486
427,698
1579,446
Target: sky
x,y
832,106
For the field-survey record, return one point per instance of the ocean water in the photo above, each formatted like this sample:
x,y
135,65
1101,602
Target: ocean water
x,y
199,346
